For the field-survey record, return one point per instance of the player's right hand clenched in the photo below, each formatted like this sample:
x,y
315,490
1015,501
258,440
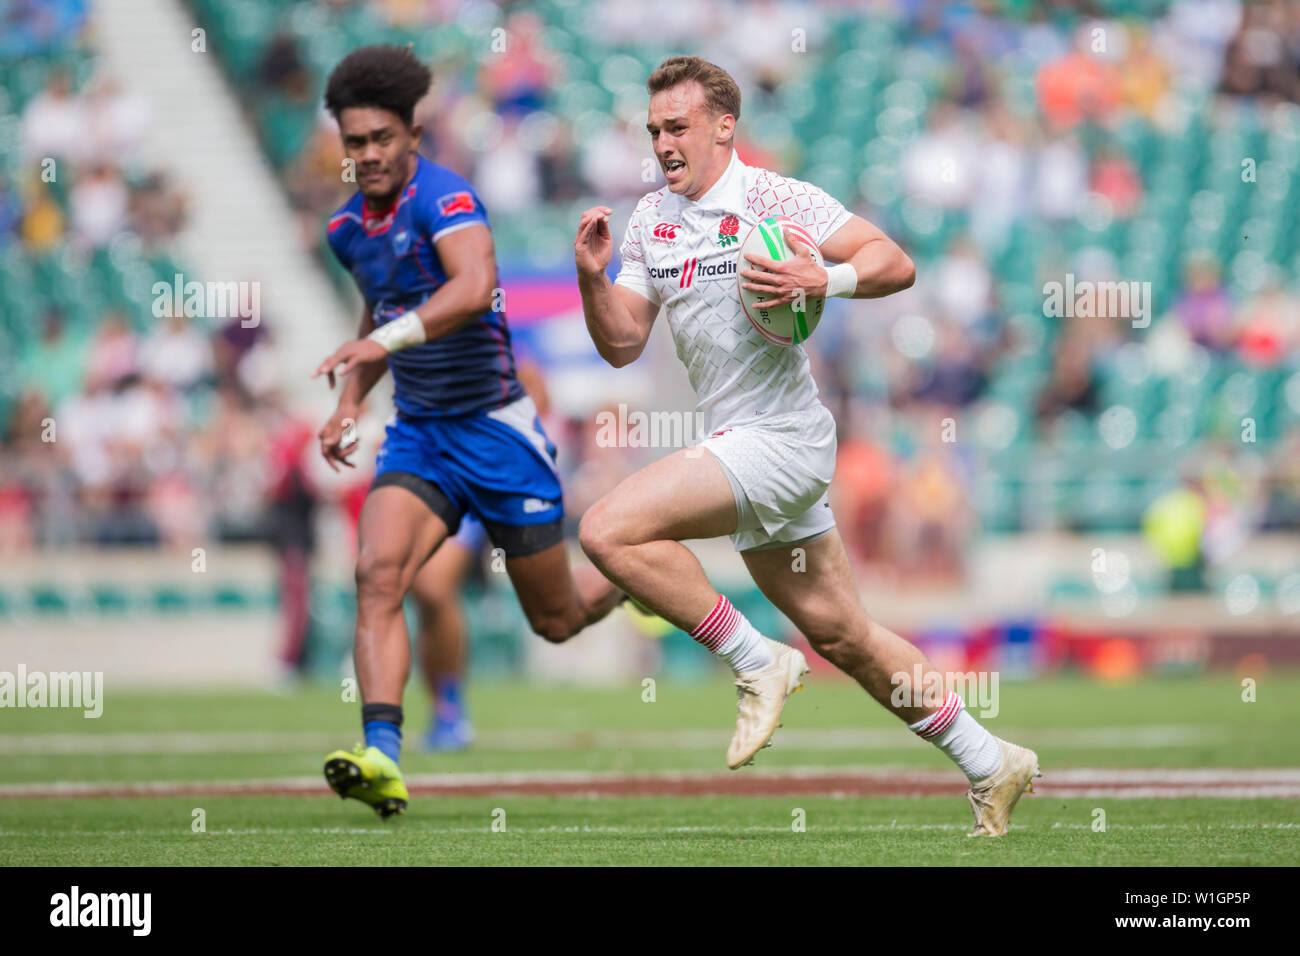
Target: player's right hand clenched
x,y
594,246
338,438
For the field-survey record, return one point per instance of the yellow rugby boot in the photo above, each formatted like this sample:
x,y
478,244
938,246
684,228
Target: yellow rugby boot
x,y
369,775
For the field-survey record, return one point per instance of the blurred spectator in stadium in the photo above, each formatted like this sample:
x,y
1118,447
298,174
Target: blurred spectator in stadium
x,y
1081,85
1115,177
43,224
590,470
11,215
292,498
314,180
179,355
1204,307
99,203
16,511
672,22
1144,76
955,376
231,345
558,162
518,78
1060,179
939,165
117,123
612,161
1268,326
962,284
232,462
1282,512
1263,58
85,424
930,518
1235,493
1072,383
176,510
54,123
30,27
759,46
864,481
1195,33
19,473
970,73
54,363
1001,178
281,69
146,436
38,449
507,175
445,114
157,210
114,353
1173,526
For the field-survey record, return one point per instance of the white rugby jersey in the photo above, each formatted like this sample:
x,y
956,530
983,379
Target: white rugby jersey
x,y
682,255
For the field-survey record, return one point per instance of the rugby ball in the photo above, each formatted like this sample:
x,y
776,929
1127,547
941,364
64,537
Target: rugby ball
x,y
785,324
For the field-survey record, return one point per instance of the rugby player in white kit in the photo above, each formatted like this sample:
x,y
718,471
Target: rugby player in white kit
x,y
762,474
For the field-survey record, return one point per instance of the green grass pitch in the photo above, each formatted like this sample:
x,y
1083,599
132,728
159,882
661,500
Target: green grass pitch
x,y
1193,722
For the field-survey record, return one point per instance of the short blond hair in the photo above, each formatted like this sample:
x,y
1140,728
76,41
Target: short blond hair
x,y
721,94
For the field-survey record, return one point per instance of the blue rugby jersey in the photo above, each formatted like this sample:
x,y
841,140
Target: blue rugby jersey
x,y
391,256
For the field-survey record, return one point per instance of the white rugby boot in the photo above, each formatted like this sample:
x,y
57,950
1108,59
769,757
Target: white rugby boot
x,y
993,798
761,696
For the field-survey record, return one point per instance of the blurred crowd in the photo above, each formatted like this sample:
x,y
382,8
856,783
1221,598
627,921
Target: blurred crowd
x,y
87,149
126,428
121,439
175,447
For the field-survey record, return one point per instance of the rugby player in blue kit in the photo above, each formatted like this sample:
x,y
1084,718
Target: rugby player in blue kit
x,y
465,438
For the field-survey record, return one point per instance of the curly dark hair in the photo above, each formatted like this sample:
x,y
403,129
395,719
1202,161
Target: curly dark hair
x,y
385,76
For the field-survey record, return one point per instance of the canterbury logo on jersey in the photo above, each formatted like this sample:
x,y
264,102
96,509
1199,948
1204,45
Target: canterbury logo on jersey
x,y
685,273
666,231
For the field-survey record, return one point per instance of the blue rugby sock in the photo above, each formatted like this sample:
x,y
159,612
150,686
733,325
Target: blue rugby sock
x,y
447,691
383,727
386,736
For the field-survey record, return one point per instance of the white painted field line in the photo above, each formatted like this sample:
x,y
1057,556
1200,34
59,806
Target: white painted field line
x,y
1249,792
389,832
836,738
1227,782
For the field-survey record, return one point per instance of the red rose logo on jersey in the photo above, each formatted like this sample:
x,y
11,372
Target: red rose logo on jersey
x,y
727,230
666,232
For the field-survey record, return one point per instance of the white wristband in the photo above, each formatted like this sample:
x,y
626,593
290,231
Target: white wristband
x,y
403,331
841,280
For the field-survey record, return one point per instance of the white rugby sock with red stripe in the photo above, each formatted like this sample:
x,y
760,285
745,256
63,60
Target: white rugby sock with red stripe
x,y
953,730
730,636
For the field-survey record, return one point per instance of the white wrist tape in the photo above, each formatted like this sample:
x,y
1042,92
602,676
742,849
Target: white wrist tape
x,y
405,330
841,280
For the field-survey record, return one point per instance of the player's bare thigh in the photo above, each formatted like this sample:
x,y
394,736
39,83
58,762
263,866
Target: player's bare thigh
x,y
439,579
559,601
395,536
683,496
812,584
815,589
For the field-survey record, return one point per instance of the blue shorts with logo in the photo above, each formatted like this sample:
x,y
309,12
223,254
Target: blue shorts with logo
x,y
498,466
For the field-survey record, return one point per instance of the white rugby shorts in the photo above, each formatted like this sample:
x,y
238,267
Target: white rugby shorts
x,y
782,467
